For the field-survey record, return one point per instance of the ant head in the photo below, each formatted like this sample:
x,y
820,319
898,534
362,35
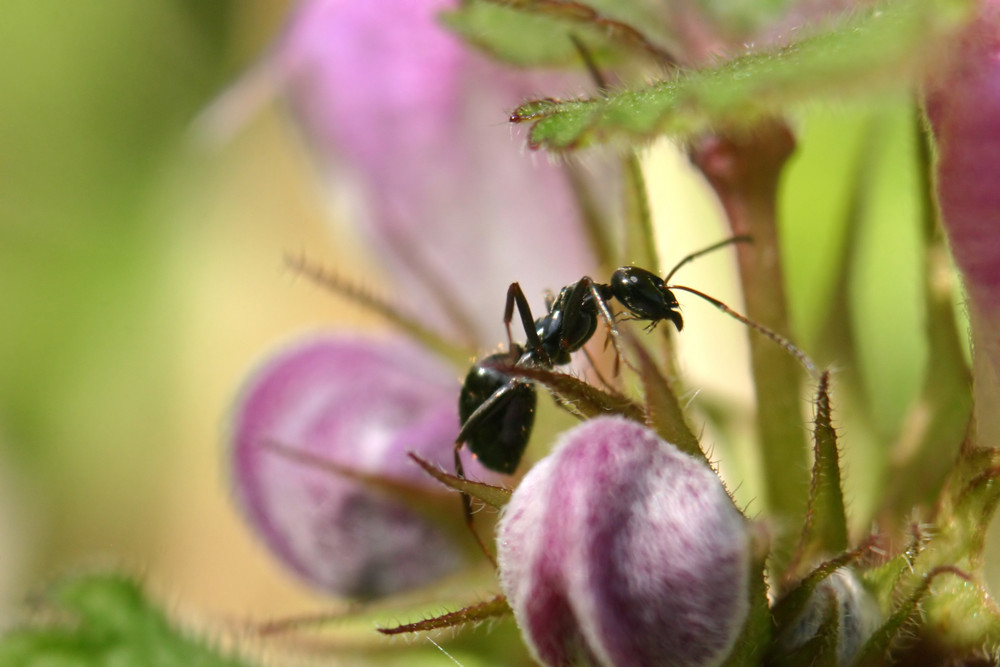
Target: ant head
x,y
645,295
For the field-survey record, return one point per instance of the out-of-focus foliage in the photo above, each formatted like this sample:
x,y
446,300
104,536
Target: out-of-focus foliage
x,y
870,54
97,100
104,620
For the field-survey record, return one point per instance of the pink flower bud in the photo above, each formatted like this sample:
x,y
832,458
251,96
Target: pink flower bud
x,y
361,405
618,549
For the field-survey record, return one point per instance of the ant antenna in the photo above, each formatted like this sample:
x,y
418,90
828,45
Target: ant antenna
x,y
704,251
609,320
760,328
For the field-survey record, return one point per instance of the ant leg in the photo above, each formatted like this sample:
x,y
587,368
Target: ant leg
x,y
497,401
470,521
802,357
609,320
516,296
704,251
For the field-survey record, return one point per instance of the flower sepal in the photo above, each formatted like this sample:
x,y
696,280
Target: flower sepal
x,y
492,495
578,397
474,613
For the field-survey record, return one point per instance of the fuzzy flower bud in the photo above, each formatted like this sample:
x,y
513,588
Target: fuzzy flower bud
x,y
361,406
856,616
618,549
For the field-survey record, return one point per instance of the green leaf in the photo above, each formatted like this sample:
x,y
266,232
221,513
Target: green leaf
x,y
876,649
756,636
104,619
495,496
825,530
866,54
578,397
663,411
956,616
957,529
939,418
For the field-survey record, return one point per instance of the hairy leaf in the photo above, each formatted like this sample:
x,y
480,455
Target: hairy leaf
x,y
866,54
496,496
825,530
103,619
578,397
663,411
471,614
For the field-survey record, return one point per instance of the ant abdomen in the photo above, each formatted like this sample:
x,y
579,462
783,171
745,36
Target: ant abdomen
x,y
503,410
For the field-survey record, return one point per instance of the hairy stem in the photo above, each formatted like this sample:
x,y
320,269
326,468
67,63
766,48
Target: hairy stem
x,y
744,170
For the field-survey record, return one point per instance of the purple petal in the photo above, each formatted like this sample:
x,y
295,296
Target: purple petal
x,y
619,549
963,104
400,108
362,405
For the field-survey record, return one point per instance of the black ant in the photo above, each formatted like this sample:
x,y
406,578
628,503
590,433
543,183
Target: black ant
x,y
497,410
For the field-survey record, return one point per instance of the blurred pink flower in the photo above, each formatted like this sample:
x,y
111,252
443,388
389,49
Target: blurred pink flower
x,y
361,405
618,549
963,105
399,110
413,123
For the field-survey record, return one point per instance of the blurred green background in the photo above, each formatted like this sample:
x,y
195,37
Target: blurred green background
x,y
141,276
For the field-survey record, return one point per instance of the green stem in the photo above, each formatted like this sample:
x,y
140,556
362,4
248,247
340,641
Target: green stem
x,y
640,239
744,170
593,218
